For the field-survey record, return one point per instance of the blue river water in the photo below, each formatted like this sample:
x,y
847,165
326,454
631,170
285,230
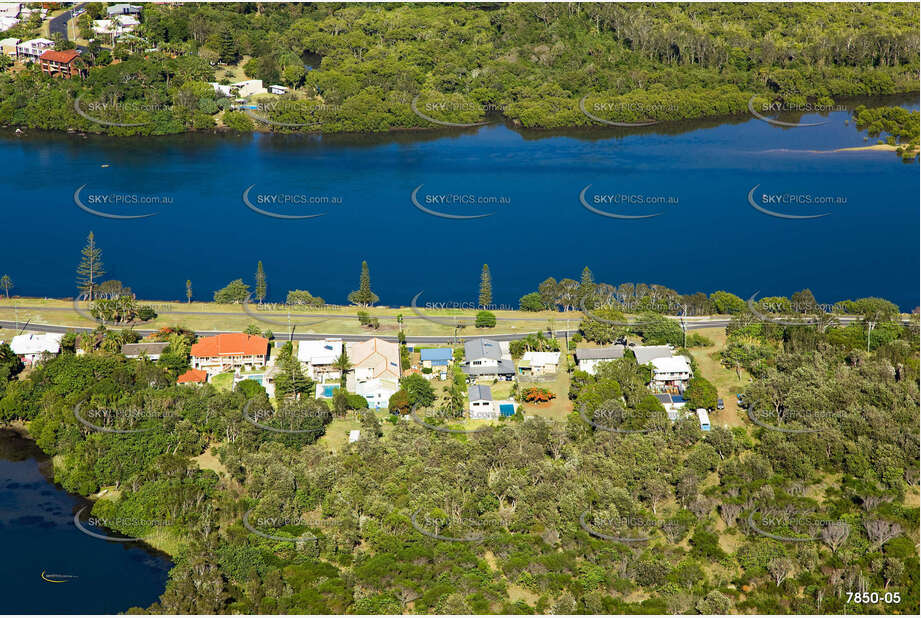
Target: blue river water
x,y
38,536
706,237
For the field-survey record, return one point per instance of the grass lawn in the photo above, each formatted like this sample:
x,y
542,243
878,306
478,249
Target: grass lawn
x,y
223,381
233,318
337,432
725,380
232,72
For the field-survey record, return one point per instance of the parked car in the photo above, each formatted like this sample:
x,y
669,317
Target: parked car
x,y
719,404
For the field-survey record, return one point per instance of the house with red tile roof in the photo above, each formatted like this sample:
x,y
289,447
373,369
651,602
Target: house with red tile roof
x,y
229,351
193,376
59,63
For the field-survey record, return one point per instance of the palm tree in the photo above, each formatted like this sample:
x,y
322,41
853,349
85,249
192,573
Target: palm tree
x,y
343,364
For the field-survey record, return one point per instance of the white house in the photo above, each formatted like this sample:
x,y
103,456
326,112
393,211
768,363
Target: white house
x,y
276,89
588,358
242,89
671,371
481,403
319,358
34,347
539,363
482,406
10,9
377,391
646,353
123,9
8,22
354,435
32,49
487,358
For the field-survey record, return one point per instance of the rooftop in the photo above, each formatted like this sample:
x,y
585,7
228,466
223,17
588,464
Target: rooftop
x,y
136,349
645,353
478,392
482,348
193,376
230,344
66,56
607,353
436,354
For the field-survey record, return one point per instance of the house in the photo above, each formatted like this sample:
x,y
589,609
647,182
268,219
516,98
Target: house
x,y
8,46
276,89
151,350
8,22
433,358
377,391
229,351
588,358
319,358
646,353
673,404
374,358
704,419
115,27
35,347
123,9
55,63
375,371
10,9
539,363
354,435
481,404
193,376
32,50
485,357
673,371
242,89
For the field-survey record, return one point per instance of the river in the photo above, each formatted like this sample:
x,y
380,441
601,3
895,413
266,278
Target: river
x,y
695,177
40,542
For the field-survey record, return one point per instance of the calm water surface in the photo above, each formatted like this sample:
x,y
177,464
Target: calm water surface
x,y
37,534
708,237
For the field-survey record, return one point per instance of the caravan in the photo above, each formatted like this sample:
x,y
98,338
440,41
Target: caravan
x,y
704,419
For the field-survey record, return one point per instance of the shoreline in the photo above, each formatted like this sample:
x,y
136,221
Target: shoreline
x,y
47,466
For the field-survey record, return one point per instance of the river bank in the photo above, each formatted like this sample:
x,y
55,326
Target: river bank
x,y
38,535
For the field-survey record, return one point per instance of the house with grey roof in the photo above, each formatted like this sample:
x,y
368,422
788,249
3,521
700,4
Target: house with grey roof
x,y
150,349
123,9
485,357
647,353
481,404
588,358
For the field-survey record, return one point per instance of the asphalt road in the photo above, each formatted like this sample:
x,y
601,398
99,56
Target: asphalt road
x,y
57,328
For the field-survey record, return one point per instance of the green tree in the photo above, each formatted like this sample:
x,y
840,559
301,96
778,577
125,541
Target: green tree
x,y
700,393
363,296
6,283
485,287
188,290
227,47
234,292
418,389
531,302
343,365
485,319
90,269
260,283
725,302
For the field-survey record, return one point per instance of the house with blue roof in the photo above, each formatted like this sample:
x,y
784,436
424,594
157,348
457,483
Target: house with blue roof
x,y
436,357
